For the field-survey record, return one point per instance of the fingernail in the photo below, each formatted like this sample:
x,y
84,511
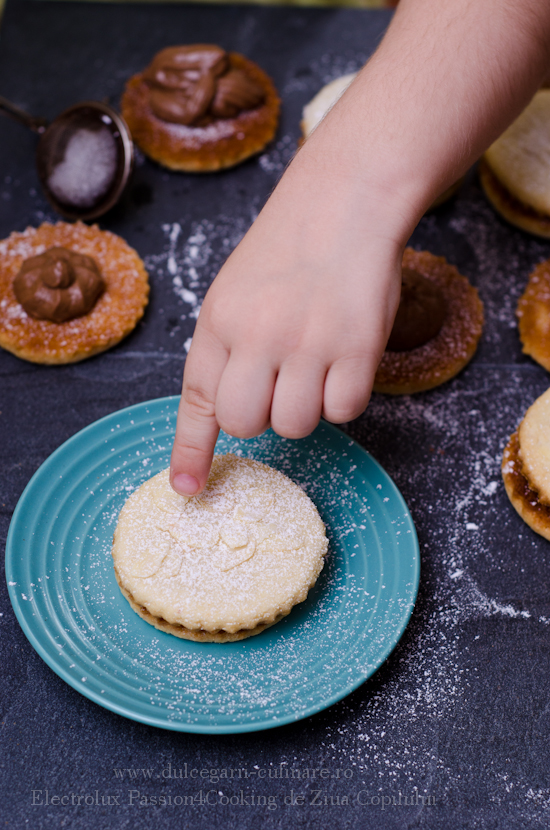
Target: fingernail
x,y
185,485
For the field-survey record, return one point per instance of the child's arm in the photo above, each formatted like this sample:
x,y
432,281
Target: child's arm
x,y
296,321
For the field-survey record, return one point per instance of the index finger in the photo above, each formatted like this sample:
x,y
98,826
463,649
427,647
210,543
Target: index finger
x,y
197,428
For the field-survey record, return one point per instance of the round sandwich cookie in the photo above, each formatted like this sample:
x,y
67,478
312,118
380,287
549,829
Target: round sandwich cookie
x,y
224,565
436,329
533,314
314,112
526,467
68,291
198,108
515,170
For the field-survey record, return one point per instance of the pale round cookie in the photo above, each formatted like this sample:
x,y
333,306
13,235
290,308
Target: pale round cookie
x,y
224,565
534,442
515,170
533,314
314,112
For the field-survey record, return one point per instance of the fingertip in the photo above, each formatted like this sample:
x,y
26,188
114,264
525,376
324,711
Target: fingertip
x,y
189,470
347,390
193,449
185,485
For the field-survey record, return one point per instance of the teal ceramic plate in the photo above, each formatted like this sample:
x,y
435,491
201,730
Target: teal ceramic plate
x,y
63,589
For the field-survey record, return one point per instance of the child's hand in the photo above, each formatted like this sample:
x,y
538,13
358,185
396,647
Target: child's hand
x,y
296,321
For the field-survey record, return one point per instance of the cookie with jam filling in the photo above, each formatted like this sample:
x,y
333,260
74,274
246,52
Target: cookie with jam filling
x,y
68,291
198,108
436,330
223,565
526,467
515,170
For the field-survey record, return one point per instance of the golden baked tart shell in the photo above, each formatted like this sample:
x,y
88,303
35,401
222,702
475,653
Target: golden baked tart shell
x,y
524,499
223,143
445,355
533,314
114,315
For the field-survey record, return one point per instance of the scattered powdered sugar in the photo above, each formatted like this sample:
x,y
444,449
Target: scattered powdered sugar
x,y
12,311
192,262
21,245
462,516
87,169
279,155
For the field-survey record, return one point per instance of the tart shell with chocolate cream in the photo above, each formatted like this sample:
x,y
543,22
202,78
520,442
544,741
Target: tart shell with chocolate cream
x,y
223,565
447,353
46,259
207,141
526,467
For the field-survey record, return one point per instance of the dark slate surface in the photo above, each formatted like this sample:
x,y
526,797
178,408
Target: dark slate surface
x,y
459,713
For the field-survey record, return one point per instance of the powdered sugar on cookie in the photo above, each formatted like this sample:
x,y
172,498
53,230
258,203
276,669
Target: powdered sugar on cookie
x,y
238,556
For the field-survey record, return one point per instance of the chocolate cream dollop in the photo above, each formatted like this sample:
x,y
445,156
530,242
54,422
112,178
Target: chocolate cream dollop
x,y
192,85
58,285
421,312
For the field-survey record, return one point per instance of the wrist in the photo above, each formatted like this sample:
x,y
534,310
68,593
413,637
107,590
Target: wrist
x,y
331,184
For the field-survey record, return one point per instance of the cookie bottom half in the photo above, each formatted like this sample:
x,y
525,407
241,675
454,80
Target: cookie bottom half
x,y
510,207
524,499
198,635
